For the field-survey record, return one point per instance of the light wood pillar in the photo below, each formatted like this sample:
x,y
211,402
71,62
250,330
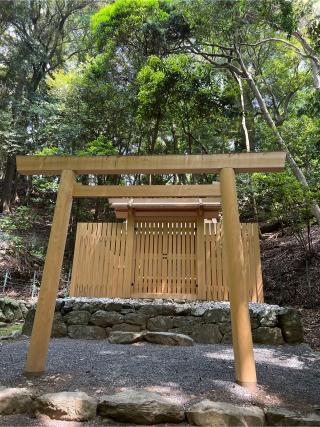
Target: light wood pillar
x,y
240,319
201,277
130,257
38,348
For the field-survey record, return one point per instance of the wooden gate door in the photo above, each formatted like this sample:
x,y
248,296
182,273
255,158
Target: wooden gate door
x,y
165,260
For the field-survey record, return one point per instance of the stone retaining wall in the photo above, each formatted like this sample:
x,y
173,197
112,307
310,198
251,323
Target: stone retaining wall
x,y
204,322
12,310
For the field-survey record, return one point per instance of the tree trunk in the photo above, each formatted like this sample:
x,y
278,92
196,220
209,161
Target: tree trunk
x,y
243,113
292,163
314,60
248,146
9,180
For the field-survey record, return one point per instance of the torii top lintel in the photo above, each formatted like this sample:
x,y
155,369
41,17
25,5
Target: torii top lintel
x,y
195,163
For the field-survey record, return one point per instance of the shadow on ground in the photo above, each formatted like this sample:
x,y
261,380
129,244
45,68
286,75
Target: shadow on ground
x,y
288,375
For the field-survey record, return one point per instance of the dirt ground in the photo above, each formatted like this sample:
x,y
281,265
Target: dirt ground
x,y
311,327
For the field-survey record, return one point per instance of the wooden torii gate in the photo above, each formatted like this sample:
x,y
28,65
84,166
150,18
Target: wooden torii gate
x,y
224,164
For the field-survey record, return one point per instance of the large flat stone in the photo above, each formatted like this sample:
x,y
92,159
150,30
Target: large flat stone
x,y
202,333
265,335
86,332
126,327
268,317
15,401
160,323
77,317
140,407
222,414
284,417
185,321
68,305
206,334
157,310
28,323
136,319
59,328
106,318
67,406
198,311
291,326
115,306
217,315
168,338
120,337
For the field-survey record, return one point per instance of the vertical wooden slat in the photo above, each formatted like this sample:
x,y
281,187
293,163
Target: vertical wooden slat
x,y
105,274
188,259
248,253
115,263
122,256
200,257
142,262
75,265
193,259
178,257
169,258
155,280
257,263
129,260
149,257
137,280
152,281
224,295
252,254
207,236
110,259
219,263
174,258
103,258
214,271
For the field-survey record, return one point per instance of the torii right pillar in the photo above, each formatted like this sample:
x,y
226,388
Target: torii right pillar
x,y
245,368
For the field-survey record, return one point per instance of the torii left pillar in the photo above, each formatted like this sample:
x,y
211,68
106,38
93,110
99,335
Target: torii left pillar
x,y
39,343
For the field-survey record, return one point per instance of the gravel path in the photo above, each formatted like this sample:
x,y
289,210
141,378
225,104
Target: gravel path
x,y
288,375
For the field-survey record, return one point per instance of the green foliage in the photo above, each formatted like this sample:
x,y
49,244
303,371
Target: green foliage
x,y
179,79
281,197
137,29
21,221
99,147
43,185
280,14
17,229
132,20
131,13
51,151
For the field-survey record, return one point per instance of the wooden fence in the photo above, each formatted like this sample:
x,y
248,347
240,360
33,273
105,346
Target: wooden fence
x,y
164,261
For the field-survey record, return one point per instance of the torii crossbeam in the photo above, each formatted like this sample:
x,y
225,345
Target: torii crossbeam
x,y
224,164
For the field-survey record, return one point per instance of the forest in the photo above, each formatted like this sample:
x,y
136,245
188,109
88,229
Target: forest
x,y
130,77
